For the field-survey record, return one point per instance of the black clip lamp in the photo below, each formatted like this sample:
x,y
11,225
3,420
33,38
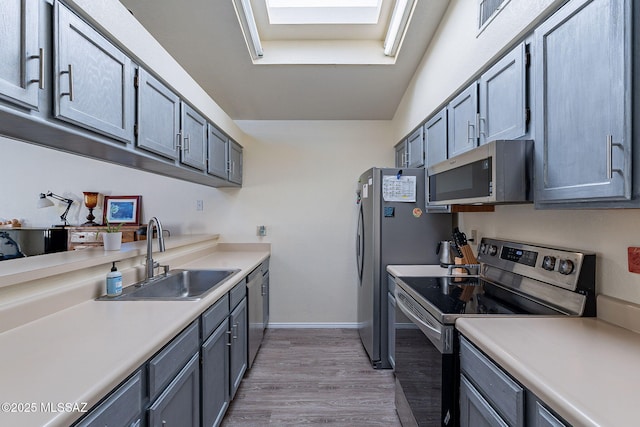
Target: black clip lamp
x,y
43,202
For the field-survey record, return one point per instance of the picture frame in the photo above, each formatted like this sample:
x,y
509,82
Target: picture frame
x,y
121,210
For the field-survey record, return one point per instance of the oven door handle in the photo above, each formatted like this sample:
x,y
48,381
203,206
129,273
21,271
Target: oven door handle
x,y
430,331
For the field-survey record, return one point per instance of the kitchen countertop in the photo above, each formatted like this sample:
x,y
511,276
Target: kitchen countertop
x,y
79,354
585,369
417,270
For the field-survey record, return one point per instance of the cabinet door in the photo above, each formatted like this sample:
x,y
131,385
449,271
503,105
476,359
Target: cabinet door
x,y
544,418
402,154
583,102
416,148
218,142
158,126
235,162
194,138
122,408
215,376
93,80
179,404
239,338
475,411
463,114
21,62
502,98
435,137
265,300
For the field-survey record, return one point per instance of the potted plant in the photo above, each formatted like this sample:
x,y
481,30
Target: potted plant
x,y
111,237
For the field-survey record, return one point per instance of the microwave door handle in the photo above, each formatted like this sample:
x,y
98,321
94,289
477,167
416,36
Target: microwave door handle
x,y
430,330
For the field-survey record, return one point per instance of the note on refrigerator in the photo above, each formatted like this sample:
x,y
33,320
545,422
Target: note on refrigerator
x,y
399,188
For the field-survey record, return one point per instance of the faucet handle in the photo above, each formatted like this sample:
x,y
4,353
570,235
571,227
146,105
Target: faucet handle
x,y
165,269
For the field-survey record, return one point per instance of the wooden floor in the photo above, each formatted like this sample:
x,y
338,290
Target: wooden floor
x,y
313,376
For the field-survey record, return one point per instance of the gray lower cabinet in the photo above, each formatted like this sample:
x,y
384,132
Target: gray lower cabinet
x,y
239,344
215,375
93,80
158,120
462,121
21,60
415,143
179,403
583,71
543,417
234,162
193,149
502,98
217,159
475,411
121,408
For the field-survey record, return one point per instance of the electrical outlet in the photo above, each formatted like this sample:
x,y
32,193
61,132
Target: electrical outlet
x,y
633,256
261,231
199,205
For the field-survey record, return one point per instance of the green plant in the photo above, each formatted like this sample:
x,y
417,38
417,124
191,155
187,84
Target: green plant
x,y
110,228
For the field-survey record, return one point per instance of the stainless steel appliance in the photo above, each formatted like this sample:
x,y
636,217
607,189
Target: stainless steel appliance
x,y
496,172
516,279
446,252
21,242
392,229
255,294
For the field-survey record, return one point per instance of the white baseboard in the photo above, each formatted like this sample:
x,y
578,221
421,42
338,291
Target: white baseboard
x,y
275,325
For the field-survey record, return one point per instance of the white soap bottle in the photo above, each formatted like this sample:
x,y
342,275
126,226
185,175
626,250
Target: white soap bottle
x,y
114,282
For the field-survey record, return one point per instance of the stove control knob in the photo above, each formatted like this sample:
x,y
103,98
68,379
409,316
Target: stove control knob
x,y
483,248
566,266
549,263
493,250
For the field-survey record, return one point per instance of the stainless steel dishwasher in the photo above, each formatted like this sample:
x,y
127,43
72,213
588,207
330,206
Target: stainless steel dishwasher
x,y
256,319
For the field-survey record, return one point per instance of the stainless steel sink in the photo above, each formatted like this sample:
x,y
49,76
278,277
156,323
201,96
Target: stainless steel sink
x,y
176,285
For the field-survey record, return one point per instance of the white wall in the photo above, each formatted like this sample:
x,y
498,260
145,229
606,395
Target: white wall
x,y
28,170
458,54
301,185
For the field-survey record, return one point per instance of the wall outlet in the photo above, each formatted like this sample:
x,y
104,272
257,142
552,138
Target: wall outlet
x,y
199,205
261,231
633,256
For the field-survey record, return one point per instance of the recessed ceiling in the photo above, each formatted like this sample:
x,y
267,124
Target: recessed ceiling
x,y
290,83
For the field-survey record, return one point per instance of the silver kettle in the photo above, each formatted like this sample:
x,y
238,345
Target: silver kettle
x,y
447,253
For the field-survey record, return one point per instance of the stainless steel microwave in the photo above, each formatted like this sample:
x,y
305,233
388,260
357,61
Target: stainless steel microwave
x,y
498,172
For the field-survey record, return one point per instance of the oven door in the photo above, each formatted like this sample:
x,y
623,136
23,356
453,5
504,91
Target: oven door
x,y
426,376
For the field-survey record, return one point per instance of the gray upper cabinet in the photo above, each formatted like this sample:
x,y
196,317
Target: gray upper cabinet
x,y
93,82
435,136
402,154
217,159
194,138
416,148
21,60
503,109
463,117
158,126
234,162
583,110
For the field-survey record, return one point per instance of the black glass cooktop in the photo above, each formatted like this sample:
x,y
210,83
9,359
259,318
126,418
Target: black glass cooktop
x,y
459,295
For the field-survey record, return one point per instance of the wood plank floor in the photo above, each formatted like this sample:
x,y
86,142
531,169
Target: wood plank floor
x,y
313,376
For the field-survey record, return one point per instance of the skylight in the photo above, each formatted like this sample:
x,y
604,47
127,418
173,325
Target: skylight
x,y
301,12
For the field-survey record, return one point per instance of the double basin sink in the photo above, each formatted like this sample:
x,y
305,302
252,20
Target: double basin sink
x,y
175,285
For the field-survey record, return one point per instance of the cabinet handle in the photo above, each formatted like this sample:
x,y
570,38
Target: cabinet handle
x,y
481,120
178,141
610,145
40,57
186,143
229,340
70,72
235,333
469,136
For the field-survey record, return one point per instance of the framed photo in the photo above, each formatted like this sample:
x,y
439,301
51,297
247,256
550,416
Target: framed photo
x,y
121,210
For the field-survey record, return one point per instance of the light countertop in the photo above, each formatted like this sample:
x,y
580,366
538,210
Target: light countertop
x,y
585,369
79,354
417,270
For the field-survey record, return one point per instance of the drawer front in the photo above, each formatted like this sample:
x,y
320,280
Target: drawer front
x,y
237,293
214,316
122,408
166,364
504,394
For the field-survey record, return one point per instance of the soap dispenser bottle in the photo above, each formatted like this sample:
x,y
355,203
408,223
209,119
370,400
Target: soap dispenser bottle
x,y
114,282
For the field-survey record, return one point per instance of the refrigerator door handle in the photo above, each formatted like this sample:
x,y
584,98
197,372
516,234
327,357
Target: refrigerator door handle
x,y
360,245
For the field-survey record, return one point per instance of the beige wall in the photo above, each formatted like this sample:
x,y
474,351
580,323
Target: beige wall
x,y
457,55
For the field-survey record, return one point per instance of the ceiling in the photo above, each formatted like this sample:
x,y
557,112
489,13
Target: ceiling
x,y
206,39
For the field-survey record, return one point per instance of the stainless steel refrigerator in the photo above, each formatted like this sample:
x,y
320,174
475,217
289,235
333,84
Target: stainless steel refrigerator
x,y
393,228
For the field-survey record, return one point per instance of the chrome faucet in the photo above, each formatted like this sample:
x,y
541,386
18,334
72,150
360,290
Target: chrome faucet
x,y
151,264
